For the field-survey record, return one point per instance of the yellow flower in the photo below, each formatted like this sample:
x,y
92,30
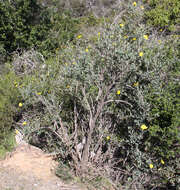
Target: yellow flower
x,y
125,37
142,7
136,84
108,137
141,54
162,161
159,41
39,93
134,39
134,3
146,37
68,86
87,50
16,131
24,123
99,34
144,127
79,36
121,25
74,63
118,92
15,84
20,104
160,30
151,166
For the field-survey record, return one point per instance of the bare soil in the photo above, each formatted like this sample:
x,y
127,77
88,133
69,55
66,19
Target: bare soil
x,y
29,168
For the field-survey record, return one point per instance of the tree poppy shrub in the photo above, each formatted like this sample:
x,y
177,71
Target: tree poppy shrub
x,y
97,107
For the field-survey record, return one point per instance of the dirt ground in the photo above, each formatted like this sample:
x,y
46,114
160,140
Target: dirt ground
x,y
29,168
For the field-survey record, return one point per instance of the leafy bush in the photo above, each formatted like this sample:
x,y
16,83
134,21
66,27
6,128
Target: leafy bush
x,y
94,108
18,22
9,98
164,132
25,24
163,14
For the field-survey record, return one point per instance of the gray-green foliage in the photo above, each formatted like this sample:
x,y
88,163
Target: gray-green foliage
x,y
96,94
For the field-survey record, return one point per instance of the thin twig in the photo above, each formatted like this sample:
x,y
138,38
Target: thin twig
x,y
121,101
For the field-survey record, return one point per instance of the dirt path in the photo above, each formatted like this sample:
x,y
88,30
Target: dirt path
x,y
29,168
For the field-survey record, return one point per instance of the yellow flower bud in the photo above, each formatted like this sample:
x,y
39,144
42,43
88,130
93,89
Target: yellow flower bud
x,y
79,36
20,104
134,3
118,92
151,166
146,37
162,161
24,123
136,84
108,137
144,127
141,54
121,25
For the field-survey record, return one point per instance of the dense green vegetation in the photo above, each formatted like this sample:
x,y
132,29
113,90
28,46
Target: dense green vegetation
x,y
163,14
25,24
9,96
101,92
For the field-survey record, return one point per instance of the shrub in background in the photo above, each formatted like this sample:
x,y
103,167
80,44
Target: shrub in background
x,y
18,21
25,24
164,132
166,108
163,14
164,138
